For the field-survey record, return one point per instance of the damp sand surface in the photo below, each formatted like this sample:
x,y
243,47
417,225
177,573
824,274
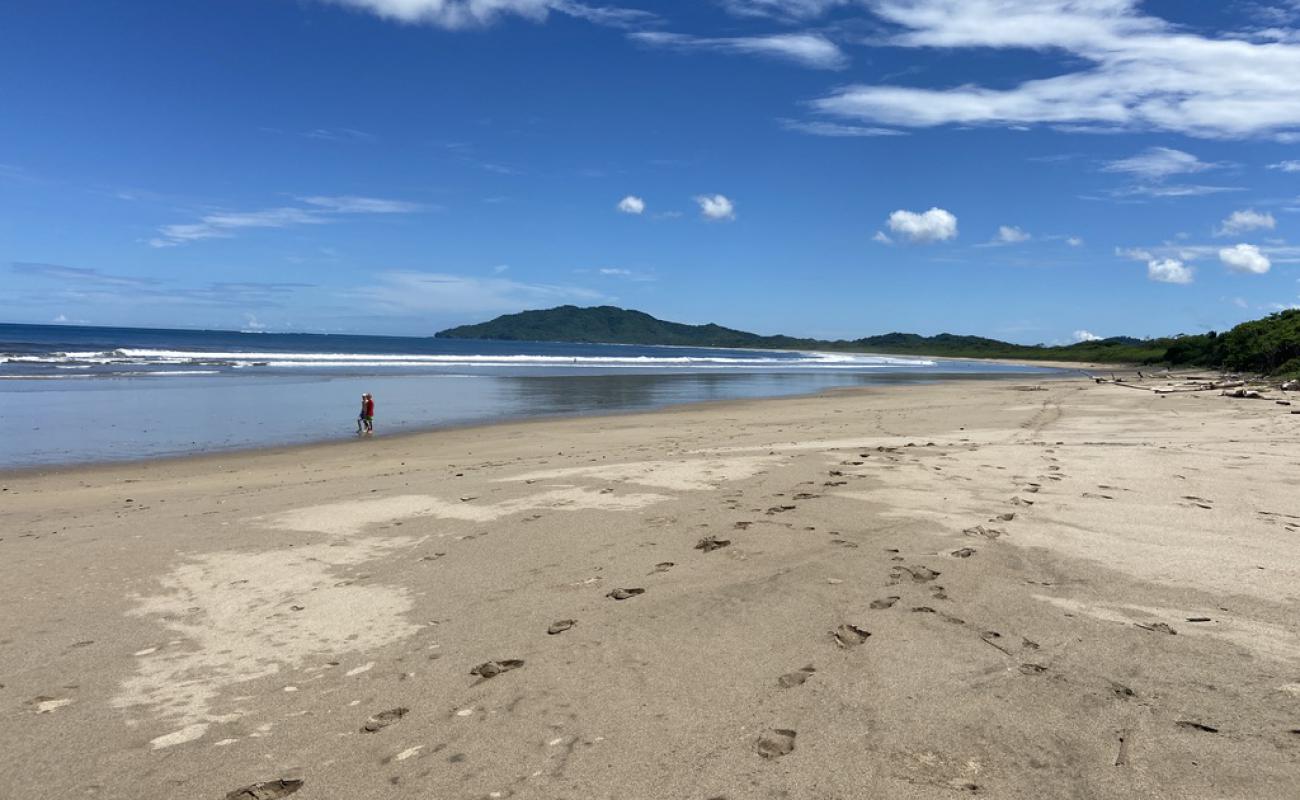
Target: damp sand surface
x,y
1054,590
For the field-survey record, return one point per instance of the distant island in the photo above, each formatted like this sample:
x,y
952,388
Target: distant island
x,y
1267,346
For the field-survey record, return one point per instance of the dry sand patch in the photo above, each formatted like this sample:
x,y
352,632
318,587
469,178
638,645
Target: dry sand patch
x,y
236,617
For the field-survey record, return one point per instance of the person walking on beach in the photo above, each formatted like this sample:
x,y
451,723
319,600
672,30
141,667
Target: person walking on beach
x,y
366,420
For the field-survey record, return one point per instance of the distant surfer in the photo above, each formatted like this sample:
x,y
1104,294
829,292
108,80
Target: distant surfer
x,y
366,419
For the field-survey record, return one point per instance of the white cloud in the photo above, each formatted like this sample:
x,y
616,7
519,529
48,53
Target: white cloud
x,y
351,204
1168,270
456,14
1240,302
1247,220
1010,234
882,237
1086,336
782,9
627,274
406,292
631,205
1158,163
320,210
1074,241
1286,166
808,49
935,225
1245,258
716,207
1140,72
836,129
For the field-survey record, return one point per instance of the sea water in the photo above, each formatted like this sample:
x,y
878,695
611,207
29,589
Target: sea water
x,y
71,395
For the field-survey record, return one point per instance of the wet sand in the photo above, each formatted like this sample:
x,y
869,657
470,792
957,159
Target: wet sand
x,y
1005,589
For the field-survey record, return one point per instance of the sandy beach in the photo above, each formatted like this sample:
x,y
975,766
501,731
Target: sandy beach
x,y
1010,589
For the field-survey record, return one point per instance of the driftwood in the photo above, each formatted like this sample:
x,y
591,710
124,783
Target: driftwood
x,y
1291,386
1249,394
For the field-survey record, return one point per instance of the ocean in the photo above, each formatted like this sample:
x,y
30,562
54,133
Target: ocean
x,y
75,395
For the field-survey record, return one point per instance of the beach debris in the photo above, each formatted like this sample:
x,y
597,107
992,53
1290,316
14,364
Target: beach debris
x,y
1249,394
848,635
796,678
965,552
383,719
710,543
267,790
884,602
1291,386
1121,756
623,594
1158,627
491,669
1283,402
775,743
1196,726
560,626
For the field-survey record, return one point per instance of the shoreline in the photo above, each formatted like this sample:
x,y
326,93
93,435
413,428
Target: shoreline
x,y
14,472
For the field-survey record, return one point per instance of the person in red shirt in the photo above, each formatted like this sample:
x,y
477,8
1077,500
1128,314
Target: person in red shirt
x,y
366,420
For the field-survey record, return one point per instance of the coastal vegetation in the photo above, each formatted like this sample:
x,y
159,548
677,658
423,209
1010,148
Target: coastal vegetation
x,y
1268,346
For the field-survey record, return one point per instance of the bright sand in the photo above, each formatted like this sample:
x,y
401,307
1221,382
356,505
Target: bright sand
x,y
1028,560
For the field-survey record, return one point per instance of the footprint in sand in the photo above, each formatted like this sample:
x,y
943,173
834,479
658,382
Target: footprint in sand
x,y
1032,669
848,635
268,790
917,574
382,720
965,552
796,678
623,594
710,543
663,566
983,532
884,602
775,743
1158,627
561,626
491,669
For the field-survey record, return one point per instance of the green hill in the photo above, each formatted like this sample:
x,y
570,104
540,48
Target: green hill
x,y
1270,345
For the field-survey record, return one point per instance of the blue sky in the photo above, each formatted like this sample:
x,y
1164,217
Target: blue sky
x,y
1033,170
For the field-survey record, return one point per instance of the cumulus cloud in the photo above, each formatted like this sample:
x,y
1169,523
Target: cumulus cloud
x,y
935,225
1286,166
318,210
1247,220
882,237
631,205
716,207
809,49
1168,270
1086,336
1010,234
456,14
1126,70
1074,241
1245,258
